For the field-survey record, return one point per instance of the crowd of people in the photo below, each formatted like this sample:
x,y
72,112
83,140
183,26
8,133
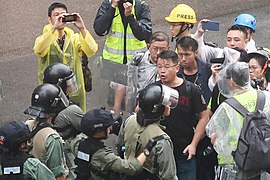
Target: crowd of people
x,y
179,124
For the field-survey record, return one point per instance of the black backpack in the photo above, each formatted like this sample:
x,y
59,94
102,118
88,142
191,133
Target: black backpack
x,y
253,148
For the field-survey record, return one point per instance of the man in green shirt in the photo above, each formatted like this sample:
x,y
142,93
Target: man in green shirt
x,y
47,101
97,161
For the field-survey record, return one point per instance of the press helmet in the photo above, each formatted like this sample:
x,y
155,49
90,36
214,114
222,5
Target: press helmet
x,y
246,20
154,97
97,119
62,75
265,61
47,99
182,13
12,135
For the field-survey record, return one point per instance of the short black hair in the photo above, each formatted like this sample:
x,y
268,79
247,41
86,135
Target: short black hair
x,y
169,54
159,36
243,54
54,6
186,42
239,28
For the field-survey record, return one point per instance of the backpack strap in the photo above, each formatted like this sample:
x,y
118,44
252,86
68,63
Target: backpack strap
x,y
260,100
38,128
241,109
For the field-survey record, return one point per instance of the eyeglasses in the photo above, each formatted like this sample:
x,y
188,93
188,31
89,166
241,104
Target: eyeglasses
x,y
166,67
178,24
156,49
253,68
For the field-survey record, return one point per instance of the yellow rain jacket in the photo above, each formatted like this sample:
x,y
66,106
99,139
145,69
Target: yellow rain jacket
x,y
48,51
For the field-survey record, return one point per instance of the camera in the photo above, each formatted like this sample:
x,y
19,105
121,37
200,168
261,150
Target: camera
x,y
69,18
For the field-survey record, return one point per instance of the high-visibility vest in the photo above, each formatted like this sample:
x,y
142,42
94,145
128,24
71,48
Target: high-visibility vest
x,y
236,120
114,45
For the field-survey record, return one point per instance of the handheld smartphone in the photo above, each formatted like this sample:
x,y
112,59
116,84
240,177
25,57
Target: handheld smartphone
x,y
210,25
69,18
217,60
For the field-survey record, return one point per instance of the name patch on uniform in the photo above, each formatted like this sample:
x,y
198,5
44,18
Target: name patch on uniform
x,y
12,170
83,156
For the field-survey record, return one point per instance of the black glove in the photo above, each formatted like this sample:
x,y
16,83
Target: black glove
x,y
117,124
151,143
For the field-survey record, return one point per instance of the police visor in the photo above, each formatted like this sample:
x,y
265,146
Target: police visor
x,y
169,96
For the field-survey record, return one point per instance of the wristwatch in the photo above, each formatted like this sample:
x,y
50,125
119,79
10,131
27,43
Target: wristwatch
x,y
146,152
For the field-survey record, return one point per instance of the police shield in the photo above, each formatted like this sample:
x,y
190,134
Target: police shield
x,y
117,85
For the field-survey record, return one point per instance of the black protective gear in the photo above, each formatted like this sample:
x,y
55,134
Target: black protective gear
x,y
95,120
47,99
12,166
58,73
150,101
12,135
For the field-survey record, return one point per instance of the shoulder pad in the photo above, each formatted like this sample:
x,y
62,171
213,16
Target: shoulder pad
x,y
55,136
33,161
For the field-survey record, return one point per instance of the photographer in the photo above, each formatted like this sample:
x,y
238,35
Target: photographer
x,y
97,161
259,68
59,43
127,25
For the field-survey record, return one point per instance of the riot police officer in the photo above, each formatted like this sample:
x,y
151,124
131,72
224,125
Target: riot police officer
x,y
97,161
68,120
47,101
15,162
154,103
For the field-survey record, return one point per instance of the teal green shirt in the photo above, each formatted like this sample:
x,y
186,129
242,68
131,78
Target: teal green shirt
x,y
54,155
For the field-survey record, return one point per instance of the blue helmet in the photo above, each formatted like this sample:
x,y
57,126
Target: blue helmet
x,y
246,20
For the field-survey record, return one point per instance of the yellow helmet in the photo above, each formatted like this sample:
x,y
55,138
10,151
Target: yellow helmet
x,y
182,13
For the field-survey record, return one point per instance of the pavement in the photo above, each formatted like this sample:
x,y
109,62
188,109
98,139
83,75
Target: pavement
x,y
22,22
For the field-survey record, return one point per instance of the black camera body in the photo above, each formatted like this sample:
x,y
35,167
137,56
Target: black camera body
x,y
257,83
69,18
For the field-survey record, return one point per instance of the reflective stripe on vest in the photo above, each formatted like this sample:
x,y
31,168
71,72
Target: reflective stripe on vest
x,y
236,123
114,45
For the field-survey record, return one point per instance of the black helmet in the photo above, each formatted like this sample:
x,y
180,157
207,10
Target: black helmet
x,y
62,75
149,100
153,98
47,99
12,135
97,119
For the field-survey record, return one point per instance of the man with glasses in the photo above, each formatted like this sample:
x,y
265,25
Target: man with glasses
x,y
181,19
186,123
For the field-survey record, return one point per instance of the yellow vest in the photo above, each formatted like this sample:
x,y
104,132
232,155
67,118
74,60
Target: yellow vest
x,y
248,100
114,45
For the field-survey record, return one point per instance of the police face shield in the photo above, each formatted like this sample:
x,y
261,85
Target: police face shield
x,y
71,84
61,97
169,97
